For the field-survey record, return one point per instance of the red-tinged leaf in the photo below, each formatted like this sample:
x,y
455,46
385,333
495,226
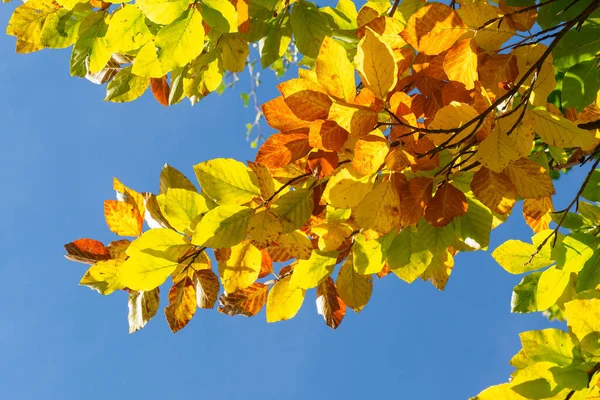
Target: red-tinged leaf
x,y
518,18
447,204
498,73
87,251
326,135
307,100
494,190
160,90
400,104
266,265
537,213
282,149
207,288
414,198
182,304
123,218
325,162
329,304
247,302
280,117
385,271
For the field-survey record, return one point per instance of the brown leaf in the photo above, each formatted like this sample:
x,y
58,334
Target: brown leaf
x,y
326,162
414,198
329,304
282,149
537,213
207,288
326,135
247,302
87,251
117,249
447,204
182,304
142,308
280,117
160,90
494,190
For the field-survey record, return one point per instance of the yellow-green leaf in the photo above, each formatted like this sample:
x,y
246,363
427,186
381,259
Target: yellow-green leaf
x,y
126,86
309,273
180,207
347,188
102,276
518,257
127,30
293,208
284,300
407,256
223,226
558,131
353,288
162,11
375,64
227,181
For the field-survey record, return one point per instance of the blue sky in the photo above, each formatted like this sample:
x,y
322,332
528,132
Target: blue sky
x,y
61,146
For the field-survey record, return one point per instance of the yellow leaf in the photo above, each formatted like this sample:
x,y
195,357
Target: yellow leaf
x,y
490,37
162,12
439,270
293,208
433,29
309,273
307,100
354,289
370,153
223,226
172,178
127,30
28,21
537,213
376,64
368,256
335,72
227,181
265,179
182,305
264,228
452,116
497,150
241,268
380,209
545,83
284,300
331,235
346,188
583,316
460,63
494,190
522,135
551,286
530,179
235,50
122,218
180,207
558,131
292,245
142,307
356,120
129,196
102,277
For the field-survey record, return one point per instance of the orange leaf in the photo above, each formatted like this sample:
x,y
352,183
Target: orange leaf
x,y
326,135
530,179
123,218
329,304
280,117
447,204
397,160
357,120
494,190
247,302
367,98
414,198
207,288
307,100
385,271
160,90
369,154
456,91
182,304
242,13
326,162
281,149
460,63
433,28
522,21
416,146
266,265
537,213
499,68
87,251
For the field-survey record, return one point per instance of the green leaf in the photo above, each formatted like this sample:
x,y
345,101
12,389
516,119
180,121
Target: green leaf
x,y
473,228
590,212
227,181
436,239
152,259
175,45
180,207
309,27
102,277
277,40
223,226
592,189
162,11
343,16
125,86
581,84
91,52
408,256
578,247
572,221
589,277
220,15
576,46
524,294
552,345
294,208
309,273
557,12
573,377
61,28
127,30
368,256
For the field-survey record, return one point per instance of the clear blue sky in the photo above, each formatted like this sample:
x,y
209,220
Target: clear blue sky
x,y
61,146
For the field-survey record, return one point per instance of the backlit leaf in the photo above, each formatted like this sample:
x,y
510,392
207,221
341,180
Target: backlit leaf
x,y
354,289
223,226
102,277
182,305
142,308
284,300
375,64
227,181
329,304
241,266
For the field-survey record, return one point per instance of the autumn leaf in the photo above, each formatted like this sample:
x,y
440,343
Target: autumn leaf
x,y
284,300
460,63
182,305
142,308
282,149
537,213
160,90
87,251
354,289
375,64
122,218
207,288
307,100
247,302
494,190
447,204
329,304
530,179
334,71
414,199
